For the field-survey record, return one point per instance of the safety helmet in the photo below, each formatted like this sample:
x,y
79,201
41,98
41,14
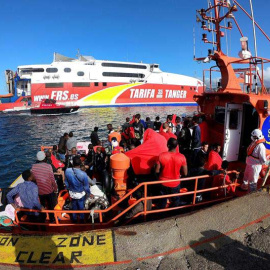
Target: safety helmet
x,y
257,134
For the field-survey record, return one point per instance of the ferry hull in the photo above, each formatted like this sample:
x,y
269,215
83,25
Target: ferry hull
x,y
115,94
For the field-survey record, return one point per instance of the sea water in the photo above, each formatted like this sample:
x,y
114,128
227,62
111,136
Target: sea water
x,y
22,135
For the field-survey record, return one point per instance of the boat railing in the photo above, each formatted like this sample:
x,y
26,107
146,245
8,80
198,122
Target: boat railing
x,y
116,213
251,77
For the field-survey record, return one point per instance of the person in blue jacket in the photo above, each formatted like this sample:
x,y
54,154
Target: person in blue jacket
x,y
77,184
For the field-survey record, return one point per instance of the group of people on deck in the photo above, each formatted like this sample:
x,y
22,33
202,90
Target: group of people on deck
x,y
189,154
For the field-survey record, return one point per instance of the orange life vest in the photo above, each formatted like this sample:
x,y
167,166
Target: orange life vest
x,y
252,146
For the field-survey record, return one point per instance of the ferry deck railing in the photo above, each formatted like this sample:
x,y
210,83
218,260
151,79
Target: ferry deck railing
x,y
105,219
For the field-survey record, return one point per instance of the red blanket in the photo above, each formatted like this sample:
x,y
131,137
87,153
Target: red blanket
x,y
144,157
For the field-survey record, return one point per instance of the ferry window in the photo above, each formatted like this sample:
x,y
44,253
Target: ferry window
x,y
54,85
220,114
104,84
233,123
51,70
155,66
190,88
123,65
80,84
67,70
182,87
80,73
96,83
32,70
120,74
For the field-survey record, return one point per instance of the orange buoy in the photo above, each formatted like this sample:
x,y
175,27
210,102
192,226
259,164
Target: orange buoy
x,y
119,164
116,135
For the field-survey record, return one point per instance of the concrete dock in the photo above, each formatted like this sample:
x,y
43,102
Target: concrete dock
x,y
230,235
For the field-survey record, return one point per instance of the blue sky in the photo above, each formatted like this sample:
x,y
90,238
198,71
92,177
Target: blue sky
x,y
159,31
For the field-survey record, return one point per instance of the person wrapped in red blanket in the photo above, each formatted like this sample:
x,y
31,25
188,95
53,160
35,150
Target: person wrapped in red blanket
x,y
214,159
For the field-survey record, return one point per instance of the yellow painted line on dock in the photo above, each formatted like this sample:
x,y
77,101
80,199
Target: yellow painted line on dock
x,y
57,250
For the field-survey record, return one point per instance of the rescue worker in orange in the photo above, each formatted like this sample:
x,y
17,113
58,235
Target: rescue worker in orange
x,y
171,166
256,157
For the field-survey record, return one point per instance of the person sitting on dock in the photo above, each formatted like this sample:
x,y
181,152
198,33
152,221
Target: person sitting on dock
x,y
256,157
47,187
171,166
28,194
77,184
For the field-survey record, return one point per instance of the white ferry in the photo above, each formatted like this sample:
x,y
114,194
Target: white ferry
x,y
88,82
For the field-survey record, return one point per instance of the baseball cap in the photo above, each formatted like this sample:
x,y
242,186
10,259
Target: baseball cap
x,y
41,155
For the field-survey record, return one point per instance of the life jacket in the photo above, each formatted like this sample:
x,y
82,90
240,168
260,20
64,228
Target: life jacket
x,y
117,150
62,197
252,146
57,163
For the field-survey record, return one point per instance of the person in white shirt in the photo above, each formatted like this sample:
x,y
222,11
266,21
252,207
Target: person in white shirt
x,y
256,157
71,142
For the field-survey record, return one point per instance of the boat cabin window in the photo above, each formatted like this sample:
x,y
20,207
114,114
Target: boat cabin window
x,y
80,84
51,70
121,74
220,114
233,119
104,84
96,83
123,65
32,70
54,85
67,70
80,73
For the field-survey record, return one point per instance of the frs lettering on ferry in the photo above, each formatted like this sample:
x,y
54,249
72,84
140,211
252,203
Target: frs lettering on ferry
x,y
58,95
151,93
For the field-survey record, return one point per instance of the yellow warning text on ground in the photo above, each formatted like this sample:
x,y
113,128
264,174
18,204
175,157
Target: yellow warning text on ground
x,y
77,249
